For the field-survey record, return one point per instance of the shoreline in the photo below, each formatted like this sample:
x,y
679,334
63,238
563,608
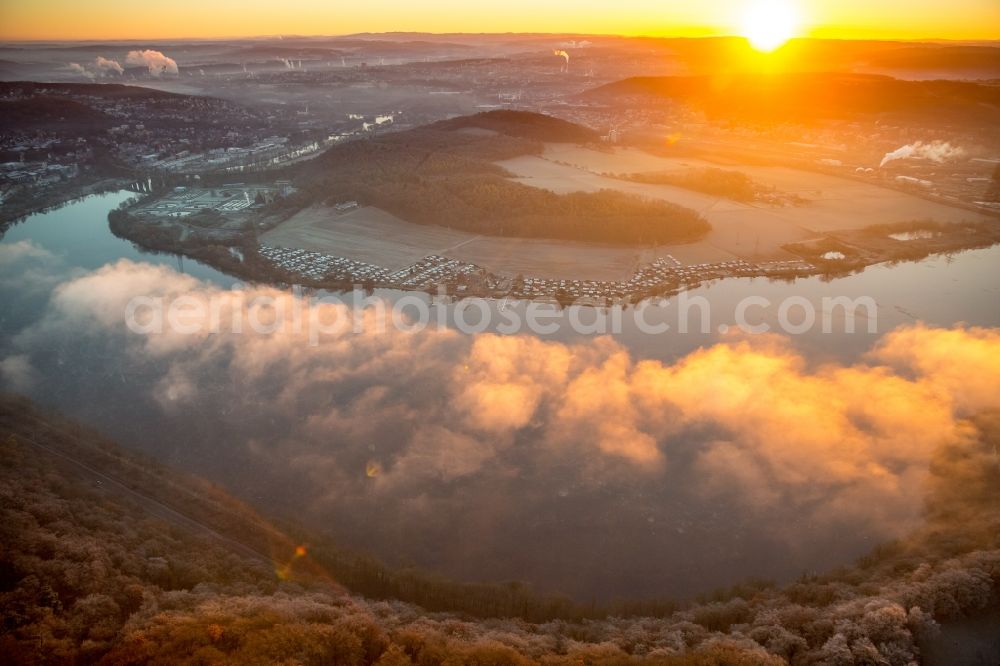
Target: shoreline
x,y
246,259
65,198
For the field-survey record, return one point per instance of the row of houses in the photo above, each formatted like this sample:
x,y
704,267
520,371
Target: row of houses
x,y
36,173
436,271
318,266
663,273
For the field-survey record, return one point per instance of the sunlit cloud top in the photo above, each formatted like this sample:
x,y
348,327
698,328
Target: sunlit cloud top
x,y
118,19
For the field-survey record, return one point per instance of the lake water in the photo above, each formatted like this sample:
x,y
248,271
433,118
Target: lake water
x,y
463,492
79,234
940,291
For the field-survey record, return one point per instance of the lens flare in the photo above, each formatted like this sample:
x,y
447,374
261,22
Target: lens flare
x,y
768,24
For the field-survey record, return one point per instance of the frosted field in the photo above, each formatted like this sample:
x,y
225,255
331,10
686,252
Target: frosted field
x,y
739,230
374,236
364,234
750,231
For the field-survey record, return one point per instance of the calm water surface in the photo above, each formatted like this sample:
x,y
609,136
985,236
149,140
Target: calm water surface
x,y
628,536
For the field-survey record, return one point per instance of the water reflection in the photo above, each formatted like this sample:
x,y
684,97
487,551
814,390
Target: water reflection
x,y
628,466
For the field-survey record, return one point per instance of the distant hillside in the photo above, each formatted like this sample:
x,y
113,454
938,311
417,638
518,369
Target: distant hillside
x,y
388,45
277,51
522,124
814,96
939,57
444,174
48,111
103,90
77,110
721,54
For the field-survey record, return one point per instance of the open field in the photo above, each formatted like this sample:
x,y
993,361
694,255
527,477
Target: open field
x,y
752,231
364,234
376,237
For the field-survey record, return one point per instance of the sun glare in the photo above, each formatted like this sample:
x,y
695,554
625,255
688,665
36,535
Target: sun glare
x,y
768,24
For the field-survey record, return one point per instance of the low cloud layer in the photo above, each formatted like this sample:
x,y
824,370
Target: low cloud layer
x,y
497,457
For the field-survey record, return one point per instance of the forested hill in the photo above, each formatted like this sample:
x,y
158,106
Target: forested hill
x,y
91,573
814,96
27,106
49,112
522,124
10,89
195,505
445,174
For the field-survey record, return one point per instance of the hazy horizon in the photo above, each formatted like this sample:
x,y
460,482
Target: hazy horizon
x,y
63,20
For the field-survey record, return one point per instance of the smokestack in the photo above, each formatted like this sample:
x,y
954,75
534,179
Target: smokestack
x,y
564,56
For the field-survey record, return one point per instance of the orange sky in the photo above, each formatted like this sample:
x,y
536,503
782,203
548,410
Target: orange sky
x,y
153,19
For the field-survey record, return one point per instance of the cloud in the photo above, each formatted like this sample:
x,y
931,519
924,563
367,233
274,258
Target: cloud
x,y
28,273
452,450
962,362
108,66
501,385
440,453
22,250
18,373
102,66
157,63
598,410
811,430
77,68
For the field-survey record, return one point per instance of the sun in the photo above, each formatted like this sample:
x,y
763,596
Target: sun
x,y
769,23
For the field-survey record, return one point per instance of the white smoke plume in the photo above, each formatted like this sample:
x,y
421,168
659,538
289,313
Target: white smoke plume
x,y
108,66
565,56
157,63
936,151
77,68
